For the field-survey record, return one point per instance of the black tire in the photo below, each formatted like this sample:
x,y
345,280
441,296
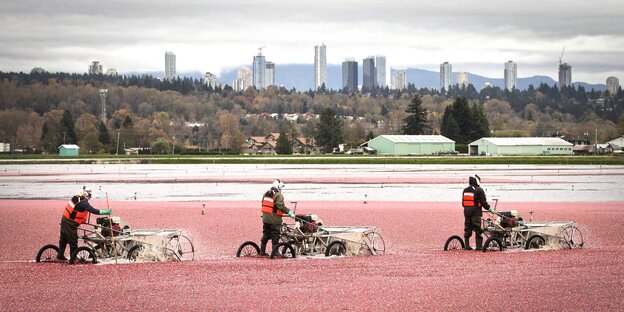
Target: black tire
x,y
134,252
336,248
183,247
492,244
82,255
248,249
454,243
47,253
535,242
283,250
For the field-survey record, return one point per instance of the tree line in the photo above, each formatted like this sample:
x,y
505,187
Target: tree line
x,y
37,112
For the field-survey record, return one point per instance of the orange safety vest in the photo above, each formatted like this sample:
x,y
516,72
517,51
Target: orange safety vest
x,y
70,213
469,200
268,206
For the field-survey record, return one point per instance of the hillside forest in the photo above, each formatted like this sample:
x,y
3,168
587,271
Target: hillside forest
x,y
40,111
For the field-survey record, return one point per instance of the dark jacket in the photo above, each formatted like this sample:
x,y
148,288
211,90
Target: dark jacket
x,y
82,204
278,200
479,201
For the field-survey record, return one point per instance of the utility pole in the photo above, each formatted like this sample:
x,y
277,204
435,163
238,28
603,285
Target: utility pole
x,y
117,152
596,142
173,145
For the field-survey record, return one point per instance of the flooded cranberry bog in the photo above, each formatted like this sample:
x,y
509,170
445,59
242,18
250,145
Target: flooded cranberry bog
x,y
416,208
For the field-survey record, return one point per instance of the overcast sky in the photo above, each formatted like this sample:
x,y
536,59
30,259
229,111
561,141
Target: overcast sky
x,y
475,36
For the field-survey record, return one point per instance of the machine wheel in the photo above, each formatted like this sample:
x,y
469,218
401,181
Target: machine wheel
x,y
134,252
573,237
183,247
109,250
82,255
535,242
47,253
248,249
454,243
336,248
283,250
376,242
492,244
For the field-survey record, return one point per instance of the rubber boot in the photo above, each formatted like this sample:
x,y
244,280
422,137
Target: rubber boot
x,y
61,253
263,249
467,243
71,250
479,242
274,245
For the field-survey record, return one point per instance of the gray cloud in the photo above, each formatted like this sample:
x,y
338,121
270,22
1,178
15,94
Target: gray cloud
x,y
212,35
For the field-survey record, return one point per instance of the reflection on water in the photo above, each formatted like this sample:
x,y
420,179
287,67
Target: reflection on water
x,y
561,183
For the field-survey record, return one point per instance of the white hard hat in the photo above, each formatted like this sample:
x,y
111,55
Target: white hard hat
x,y
85,192
478,179
278,184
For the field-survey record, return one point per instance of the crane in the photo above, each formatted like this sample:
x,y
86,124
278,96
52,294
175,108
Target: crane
x,y
260,50
561,57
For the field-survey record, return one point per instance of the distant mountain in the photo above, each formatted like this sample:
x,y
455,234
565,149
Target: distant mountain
x,y
301,77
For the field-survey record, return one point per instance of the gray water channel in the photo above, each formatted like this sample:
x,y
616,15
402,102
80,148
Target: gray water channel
x,y
509,183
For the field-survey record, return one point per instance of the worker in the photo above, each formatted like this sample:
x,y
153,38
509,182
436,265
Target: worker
x,y
473,200
75,213
273,209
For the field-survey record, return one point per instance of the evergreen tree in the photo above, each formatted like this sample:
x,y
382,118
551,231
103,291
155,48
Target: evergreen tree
x,y
449,127
104,136
127,122
384,110
416,122
329,132
370,135
480,127
463,122
49,142
67,125
283,145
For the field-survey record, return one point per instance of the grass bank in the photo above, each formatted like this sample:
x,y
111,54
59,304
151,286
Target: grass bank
x,y
321,159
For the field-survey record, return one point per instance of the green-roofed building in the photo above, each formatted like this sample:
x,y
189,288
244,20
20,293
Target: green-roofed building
x,y
411,144
520,146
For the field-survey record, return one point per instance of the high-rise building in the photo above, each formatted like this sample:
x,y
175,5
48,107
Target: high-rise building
x,y
95,68
380,69
243,79
270,74
320,66
399,80
210,80
511,75
445,76
613,84
350,75
462,79
369,73
259,71
111,72
565,75
170,65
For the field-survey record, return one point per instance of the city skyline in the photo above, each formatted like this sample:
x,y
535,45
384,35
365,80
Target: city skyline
x,y
131,37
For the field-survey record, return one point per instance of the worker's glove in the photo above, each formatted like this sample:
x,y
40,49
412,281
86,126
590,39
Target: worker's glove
x,y
106,212
291,214
491,210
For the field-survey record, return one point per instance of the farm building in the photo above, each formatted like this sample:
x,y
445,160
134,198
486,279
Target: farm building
x,y
619,142
68,150
520,146
411,144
